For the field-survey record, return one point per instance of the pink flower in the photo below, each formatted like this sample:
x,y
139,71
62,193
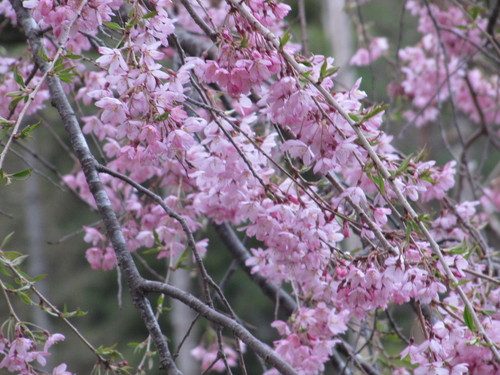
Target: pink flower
x,y
114,110
56,337
366,56
207,356
112,58
61,370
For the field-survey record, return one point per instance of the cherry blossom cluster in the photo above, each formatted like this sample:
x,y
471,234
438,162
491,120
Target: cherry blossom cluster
x,y
18,355
450,347
441,66
148,135
13,91
208,357
265,163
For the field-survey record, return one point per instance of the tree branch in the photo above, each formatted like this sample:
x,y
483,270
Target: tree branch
x,y
206,311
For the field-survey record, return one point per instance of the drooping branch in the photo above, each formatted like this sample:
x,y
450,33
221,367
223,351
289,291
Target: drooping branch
x,y
87,162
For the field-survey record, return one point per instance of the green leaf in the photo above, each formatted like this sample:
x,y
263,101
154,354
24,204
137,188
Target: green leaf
x,y
6,123
58,66
354,117
14,102
4,271
11,254
153,250
426,175
421,154
73,56
72,314
285,39
411,226
458,249
375,111
489,312
162,117
182,258
67,75
469,320
3,132
244,41
18,78
113,26
14,94
4,178
22,174
43,56
379,181
38,278
25,298
476,11
331,71
27,130
404,165
17,261
150,15
6,240
324,72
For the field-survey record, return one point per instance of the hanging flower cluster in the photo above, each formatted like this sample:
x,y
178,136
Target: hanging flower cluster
x,y
247,138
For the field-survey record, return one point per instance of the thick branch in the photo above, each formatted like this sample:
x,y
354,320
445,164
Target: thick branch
x,y
87,161
206,311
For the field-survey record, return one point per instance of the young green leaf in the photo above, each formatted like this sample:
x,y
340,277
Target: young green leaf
x,y
150,15
6,123
469,320
17,77
404,165
354,117
112,26
42,54
27,130
285,39
6,240
22,174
